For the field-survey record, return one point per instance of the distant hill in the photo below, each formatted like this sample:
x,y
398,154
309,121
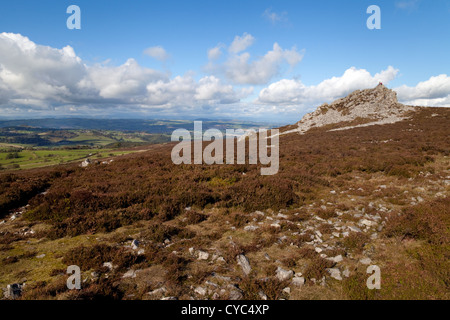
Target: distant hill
x,y
149,126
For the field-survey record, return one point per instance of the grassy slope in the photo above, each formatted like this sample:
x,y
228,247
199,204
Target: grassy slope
x,y
398,172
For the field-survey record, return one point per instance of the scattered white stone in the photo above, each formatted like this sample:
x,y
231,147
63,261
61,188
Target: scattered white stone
x,y
337,259
287,290
367,222
251,228
346,273
318,250
200,290
283,275
275,225
220,259
244,263
41,256
366,261
202,255
191,251
262,295
129,274
158,291
298,281
108,265
354,229
335,273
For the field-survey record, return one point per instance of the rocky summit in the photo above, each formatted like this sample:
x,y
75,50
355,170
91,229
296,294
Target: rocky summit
x,y
360,108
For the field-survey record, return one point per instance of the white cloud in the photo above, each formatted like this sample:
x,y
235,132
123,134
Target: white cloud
x,y
239,44
407,4
295,93
38,78
126,82
241,70
158,52
432,92
274,17
215,53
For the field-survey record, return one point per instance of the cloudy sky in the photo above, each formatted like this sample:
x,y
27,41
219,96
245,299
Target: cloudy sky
x,y
259,60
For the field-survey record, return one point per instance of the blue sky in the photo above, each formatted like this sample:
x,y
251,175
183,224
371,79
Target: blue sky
x,y
271,60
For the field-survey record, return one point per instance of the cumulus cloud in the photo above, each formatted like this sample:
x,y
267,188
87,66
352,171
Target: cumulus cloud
x,y
158,52
432,92
239,44
40,78
32,72
294,92
241,70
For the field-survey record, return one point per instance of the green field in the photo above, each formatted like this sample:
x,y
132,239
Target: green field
x,y
28,159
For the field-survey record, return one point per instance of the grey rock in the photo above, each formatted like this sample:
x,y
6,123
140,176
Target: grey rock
x,y
283,275
244,263
201,291
335,273
202,255
298,281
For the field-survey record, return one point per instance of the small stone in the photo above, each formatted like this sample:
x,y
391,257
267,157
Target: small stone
x,y
129,274
158,291
336,259
287,290
346,273
169,298
275,225
262,295
244,263
200,290
367,222
354,229
366,261
251,228
283,275
108,265
41,256
298,281
318,250
335,273
202,255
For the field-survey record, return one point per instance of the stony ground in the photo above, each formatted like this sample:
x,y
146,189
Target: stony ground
x,y
310,252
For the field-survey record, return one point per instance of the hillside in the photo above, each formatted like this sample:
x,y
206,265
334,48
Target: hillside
x,y
144,228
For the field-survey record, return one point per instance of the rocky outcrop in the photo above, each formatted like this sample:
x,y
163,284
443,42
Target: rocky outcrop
x,y
360,108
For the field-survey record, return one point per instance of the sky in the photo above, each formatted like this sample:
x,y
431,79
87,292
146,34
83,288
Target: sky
x,y
251,60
